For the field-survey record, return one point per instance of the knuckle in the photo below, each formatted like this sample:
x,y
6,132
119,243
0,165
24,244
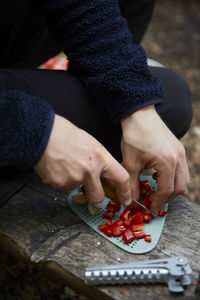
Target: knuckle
x,y
180,189
126,180
181,151
56,182
98,151
171,159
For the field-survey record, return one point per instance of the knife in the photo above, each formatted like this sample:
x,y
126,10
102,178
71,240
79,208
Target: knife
x,y
110,192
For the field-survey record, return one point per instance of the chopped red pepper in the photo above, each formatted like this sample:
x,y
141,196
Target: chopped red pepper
x,y
162,213
117,229
126,213
113,208
107,231
147,218
128,236
147,238
112,202
127,223
145,187
109,222
139,234
108,215
101,227
130,225
137,227
110,208
138,218
118,222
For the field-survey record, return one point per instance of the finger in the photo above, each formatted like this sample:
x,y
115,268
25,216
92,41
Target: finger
x,y
135,185
165,182
121,180
181,179
94,191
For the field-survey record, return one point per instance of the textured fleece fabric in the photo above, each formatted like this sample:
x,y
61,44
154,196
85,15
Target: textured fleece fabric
x,y
25,126
113,71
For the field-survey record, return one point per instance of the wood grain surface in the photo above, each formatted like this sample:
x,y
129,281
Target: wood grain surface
x,y
38,225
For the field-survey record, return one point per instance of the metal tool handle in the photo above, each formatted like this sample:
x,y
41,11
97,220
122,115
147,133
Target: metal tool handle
x,y
121,276
173,271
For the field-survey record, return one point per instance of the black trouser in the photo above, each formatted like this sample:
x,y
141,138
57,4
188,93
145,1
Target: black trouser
x,y
69,99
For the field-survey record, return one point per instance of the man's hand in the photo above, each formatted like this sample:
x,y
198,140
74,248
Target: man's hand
x,y
148,143
74,157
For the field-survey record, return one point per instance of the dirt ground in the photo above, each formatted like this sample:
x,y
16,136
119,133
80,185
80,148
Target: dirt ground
x,y
173,38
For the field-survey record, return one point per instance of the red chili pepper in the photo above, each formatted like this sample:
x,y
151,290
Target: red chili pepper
x,y
138,218
137,227
117,229
162,213
110,208
101,227
147,238
130,225
113,208
108,215
112,203
107,231
109,222
126,213
118,222
127,223
147,185
128,236
147,218
139,234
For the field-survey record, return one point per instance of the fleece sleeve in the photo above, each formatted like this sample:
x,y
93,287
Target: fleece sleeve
x,y
25,126
98,43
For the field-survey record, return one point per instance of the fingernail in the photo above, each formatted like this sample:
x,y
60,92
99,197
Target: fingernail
x,y
128,202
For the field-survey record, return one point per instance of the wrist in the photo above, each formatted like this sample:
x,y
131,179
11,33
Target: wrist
x,y
147,113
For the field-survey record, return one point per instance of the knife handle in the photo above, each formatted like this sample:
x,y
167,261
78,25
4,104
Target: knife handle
x,y
108,187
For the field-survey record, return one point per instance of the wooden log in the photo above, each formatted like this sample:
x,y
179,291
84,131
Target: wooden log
x,y
37,224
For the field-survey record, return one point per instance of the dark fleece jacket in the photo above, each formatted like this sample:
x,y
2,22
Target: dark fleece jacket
x,y
114,73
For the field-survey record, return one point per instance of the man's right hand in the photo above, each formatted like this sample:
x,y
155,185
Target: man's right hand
x,y
73,157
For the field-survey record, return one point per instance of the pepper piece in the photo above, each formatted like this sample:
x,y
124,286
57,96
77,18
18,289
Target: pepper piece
x,y
138,218
128,236
108,215
126,213
139,234
147,238
107,231
127,223
113,208
147,218
117,228
137,227
162,213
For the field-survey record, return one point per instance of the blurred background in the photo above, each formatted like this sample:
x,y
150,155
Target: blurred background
x,y
173,38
